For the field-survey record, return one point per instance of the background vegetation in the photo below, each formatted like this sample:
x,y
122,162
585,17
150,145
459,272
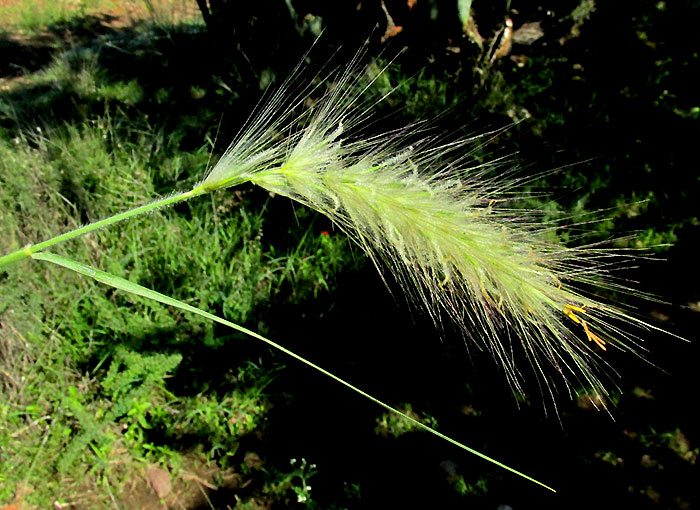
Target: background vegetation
x,y
110,401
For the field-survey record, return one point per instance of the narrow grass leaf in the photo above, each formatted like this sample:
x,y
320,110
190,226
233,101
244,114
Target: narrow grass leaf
x,y
133,288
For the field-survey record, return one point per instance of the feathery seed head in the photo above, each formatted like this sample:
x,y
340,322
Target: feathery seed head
x,y
424,216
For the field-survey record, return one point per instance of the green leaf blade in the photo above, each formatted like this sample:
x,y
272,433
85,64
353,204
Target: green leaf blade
x,y
134,288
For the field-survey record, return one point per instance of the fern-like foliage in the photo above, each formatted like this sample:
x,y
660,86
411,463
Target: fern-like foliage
x,y
132,378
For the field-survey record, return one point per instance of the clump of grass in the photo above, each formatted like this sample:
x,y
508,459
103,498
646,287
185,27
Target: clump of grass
x,y
33,16
58,331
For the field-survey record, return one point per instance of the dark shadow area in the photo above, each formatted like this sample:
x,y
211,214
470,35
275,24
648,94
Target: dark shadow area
x,y
18,58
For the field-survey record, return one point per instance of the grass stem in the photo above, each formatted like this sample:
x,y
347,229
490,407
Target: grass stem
x,y
29,250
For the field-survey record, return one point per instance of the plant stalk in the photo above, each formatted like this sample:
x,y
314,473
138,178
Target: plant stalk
x,y
29,250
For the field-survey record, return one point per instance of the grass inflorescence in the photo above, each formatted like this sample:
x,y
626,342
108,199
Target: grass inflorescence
x,y
441,227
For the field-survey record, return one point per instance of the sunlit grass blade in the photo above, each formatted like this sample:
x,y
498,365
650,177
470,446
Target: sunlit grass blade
x,y
133,288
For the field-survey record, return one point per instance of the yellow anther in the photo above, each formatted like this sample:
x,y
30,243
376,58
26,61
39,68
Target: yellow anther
x,y
593,337
569,311
572,316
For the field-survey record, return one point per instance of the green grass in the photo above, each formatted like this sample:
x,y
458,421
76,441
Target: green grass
x,y
33,16
64,437
87,399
